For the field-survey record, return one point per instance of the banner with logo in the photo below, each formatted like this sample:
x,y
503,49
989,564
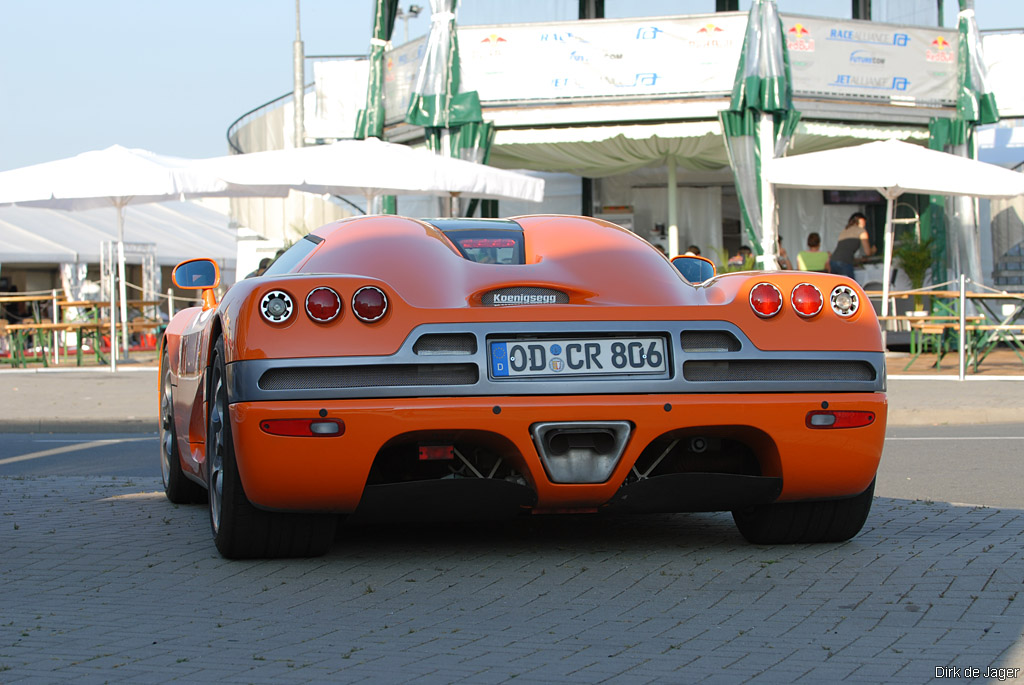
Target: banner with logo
x,y
616,58
691,56
871,61
635,58
400,66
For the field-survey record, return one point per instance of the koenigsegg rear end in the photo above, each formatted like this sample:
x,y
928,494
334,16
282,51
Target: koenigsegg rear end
x,y
386,367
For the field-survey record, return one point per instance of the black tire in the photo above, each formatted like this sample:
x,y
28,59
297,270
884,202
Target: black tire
x,y
804,522
241,530
177,486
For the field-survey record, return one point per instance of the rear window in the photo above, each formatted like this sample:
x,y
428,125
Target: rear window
x,y
291,257
489,247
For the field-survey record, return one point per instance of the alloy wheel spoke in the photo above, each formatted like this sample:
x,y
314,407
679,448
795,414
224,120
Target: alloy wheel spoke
x,y
215,454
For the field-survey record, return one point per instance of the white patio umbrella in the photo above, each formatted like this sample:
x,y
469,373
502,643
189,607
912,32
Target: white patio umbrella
x,y
115,177
892,168
371,168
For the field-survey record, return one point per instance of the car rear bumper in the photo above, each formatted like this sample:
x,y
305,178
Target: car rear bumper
x,y
456,360
330,473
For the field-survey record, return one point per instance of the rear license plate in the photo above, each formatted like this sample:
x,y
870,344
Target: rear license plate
x,y
578,357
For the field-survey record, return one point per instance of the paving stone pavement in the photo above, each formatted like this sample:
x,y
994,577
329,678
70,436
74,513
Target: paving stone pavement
x,y
103,580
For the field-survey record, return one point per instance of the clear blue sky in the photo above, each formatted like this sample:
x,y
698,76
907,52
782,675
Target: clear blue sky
x,y
78,75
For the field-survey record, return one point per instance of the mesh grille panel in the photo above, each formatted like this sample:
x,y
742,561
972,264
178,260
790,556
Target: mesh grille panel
x,y
445,343
779,370
524,295
709,341
382,375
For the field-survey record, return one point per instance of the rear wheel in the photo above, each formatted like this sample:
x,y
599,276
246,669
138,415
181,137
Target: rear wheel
x,y
178,488
240,530
800,522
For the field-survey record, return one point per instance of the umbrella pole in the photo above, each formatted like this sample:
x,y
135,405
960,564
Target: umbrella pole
x,y
113,309
673,209
122,290
887,265
769,231
963,324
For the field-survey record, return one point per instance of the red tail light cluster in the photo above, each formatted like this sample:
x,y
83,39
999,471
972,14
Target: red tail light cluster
x,y
806,299
369,304
765,300
323,305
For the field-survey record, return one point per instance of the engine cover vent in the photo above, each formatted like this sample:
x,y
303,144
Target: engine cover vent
x,y
520,295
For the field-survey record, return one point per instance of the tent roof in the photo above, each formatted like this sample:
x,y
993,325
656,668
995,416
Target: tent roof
x,y
180,230
893,167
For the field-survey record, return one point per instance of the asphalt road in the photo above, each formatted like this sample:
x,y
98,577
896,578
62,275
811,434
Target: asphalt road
x,y
967,464
79,454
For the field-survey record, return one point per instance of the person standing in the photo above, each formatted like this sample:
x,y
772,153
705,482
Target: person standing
x,y
813,258
853,238
784,262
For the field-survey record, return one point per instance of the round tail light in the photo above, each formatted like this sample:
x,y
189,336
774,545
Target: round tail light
x,y
276,306
807,300
323,305
844,301
369,304
765,300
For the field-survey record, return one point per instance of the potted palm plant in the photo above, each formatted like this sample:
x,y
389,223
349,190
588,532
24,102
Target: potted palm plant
x,y
915,258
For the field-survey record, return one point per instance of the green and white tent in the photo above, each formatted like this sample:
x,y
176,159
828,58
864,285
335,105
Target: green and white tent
x,y
954,221
452,120
759,123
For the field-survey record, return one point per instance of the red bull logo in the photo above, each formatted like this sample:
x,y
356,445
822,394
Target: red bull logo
x,y
493,38
941,50
711,36
799,38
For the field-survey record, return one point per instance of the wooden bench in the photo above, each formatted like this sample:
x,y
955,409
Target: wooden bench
x,y
19,335
932,331
979,341
992,335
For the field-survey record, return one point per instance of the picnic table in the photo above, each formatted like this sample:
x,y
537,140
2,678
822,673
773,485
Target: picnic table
x,y
32,331
981,333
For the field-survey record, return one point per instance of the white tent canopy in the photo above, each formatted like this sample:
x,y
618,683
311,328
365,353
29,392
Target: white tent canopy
x,y
113,177
372,168
180,231
893,167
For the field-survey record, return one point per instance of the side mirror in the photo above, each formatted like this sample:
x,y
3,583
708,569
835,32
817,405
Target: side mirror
x,y
198,274
693,268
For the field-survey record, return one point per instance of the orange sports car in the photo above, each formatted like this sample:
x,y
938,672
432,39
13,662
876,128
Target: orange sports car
x,y
478,368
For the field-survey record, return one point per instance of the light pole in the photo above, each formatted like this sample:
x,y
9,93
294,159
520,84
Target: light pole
x,y
299,88
406,15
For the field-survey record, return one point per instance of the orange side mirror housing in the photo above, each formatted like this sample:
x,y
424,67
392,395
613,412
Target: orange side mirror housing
x,y
198,274
693,268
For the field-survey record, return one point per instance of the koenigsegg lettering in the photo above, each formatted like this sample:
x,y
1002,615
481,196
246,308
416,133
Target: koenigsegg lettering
x,y
523,299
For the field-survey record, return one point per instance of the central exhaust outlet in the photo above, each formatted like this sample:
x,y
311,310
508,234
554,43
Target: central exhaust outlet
x,y
580,451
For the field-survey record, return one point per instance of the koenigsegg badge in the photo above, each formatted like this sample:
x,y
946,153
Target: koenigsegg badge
x,y
501,298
